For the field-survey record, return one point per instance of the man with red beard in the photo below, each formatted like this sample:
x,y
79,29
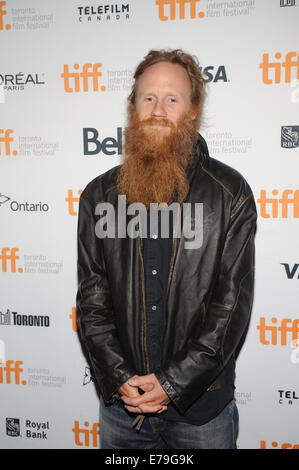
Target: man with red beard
x,y
162,323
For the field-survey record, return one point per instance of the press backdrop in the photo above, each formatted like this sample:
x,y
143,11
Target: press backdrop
x,y
65,74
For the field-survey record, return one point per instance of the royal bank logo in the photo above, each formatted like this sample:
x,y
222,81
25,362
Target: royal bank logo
x,y
33,429
289,137
13,427
98,13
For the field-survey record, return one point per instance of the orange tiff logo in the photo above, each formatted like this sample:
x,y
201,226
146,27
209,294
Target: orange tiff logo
x,y
73,81
2,14
275,445
73,200
83,434
178,6
279,206
5,141
274,68
8,259
271,334
10,373
73,317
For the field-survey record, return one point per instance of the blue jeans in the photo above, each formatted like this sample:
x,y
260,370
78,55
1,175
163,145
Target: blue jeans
x,y
116,431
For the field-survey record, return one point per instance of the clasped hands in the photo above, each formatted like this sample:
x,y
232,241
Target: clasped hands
x,y
153,400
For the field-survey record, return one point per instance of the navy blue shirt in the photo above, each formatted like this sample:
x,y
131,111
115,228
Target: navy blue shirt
x,y
157,253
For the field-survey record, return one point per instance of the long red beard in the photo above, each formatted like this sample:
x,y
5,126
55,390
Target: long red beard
x,y
154,170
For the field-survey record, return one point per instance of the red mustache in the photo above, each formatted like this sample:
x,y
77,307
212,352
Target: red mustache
x,y
158,122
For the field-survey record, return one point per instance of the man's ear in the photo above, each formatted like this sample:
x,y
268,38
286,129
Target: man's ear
x,y
194,111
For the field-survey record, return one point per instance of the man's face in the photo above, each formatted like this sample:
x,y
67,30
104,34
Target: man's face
x,y
163,94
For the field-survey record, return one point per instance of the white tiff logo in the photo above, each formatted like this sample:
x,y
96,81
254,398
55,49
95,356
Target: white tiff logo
x,y
186,221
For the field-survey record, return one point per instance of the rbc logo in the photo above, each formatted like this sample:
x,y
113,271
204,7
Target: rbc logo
x,y
109,146
289,137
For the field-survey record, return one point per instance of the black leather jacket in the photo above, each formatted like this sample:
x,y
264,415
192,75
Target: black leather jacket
x,y
209,295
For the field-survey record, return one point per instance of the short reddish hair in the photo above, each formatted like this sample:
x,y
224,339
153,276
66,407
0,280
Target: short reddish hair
x,y
176,56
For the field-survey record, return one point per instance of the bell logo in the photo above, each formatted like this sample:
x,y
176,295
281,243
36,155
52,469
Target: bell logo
x,y
5,141
71,200
9,254
109,146
2,14
290,63
181,10
288,198
269,334
83,434
11,373
78,79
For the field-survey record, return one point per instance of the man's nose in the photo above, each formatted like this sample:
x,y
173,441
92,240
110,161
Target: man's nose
x,y
159,109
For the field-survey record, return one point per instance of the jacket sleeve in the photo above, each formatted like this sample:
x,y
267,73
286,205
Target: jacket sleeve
x,y
195,367
95,316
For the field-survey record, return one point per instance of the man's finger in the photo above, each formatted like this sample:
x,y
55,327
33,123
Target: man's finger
x,y
137,401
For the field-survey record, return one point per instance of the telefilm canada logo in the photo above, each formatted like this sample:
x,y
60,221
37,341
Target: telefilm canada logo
x,y
289,137
103,12
288,397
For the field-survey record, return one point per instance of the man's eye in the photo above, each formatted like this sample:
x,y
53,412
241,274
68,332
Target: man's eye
x,y
172,100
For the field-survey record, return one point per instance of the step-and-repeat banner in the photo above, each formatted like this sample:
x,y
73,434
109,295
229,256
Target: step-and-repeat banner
x,y
65,74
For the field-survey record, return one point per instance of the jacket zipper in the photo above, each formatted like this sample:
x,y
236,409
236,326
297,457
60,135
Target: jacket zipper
x,y
143,288
144,308
175,243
